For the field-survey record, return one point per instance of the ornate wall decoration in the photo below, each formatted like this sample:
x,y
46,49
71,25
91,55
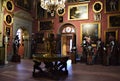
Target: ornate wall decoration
x,y
61,11
9,6
97,7
8,19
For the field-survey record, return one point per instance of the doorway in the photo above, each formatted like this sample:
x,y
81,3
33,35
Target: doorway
x,y
68,39
23,42
66,44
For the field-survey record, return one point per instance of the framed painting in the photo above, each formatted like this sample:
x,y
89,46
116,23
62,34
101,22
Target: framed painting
x,y
8,19
83,0
78,12
9,5
8,31
114,21
45,25
92,30
24,4
110,35
97,7
71,1
112,6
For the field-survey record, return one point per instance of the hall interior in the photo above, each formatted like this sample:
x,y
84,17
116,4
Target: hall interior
x,y
86,31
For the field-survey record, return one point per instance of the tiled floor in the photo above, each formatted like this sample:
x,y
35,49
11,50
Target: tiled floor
x,y
77,72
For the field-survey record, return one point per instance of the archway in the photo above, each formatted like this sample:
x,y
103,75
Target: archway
x,y
68,39
23,20
23,41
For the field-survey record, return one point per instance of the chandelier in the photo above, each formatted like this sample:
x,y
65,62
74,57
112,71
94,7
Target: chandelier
x,y
52,5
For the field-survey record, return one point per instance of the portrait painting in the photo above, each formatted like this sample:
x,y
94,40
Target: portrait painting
x,y
78,12
45,25
114,21
8,19
9,6
91,30
97,6
110,35
112,6
7,31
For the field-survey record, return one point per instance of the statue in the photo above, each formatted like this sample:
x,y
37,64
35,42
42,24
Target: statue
x,y
16,44
99,51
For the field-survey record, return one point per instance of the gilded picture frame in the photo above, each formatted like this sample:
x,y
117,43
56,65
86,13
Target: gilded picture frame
x,y
92,30
9,5
114,21
97,6
8,18
78,12
110,35
8,31
60,11
81,1
112,6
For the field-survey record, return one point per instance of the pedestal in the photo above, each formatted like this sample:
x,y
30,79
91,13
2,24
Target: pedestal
x,y
16,58
73,58
6,61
